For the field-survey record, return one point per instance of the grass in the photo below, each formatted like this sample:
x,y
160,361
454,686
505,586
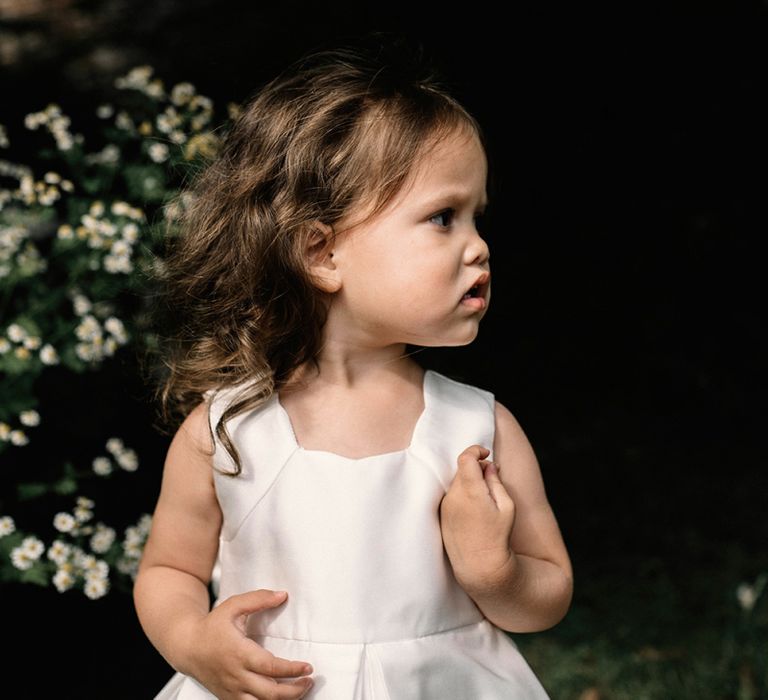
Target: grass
x,y
650,631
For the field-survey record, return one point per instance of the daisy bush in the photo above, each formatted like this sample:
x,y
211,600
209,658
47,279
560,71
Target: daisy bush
x,y
82,230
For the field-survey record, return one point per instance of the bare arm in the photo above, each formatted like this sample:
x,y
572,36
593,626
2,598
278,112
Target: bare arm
x,y
502,536
171,589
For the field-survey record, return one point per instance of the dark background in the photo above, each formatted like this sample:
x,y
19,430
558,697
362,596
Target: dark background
x,y
625,330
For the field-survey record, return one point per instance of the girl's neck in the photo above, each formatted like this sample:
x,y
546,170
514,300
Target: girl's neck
x,y
353,367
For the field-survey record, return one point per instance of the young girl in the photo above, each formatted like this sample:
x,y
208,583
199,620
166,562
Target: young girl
x,y
374,526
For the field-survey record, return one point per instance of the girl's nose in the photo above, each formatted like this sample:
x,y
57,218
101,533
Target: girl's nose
x,y
477,251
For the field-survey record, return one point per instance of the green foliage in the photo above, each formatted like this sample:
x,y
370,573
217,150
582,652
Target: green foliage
x,y
79,242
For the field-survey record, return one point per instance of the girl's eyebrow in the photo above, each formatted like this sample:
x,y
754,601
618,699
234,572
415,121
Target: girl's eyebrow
x,y
455,196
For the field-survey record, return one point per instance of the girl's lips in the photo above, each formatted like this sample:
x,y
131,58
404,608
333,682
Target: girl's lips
x,y
477,303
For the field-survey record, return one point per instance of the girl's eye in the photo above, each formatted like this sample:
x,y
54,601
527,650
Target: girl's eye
x,y
446,214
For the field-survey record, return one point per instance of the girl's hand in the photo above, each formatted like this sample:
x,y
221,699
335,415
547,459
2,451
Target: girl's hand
x,y
476,519
232,666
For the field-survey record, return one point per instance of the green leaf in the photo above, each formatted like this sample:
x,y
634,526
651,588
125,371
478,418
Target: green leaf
x,y
32,490
65,486
37,575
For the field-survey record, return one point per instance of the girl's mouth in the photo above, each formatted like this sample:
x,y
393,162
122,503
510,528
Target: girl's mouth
x,y
474,297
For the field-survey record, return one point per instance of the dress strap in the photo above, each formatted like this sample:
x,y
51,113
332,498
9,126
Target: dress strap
x,y
459,415
264,448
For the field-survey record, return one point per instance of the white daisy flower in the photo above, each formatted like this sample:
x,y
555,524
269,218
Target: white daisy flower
x,y
64,141
746,596
5,346
110,154
133,550
102,539
20,559
89,328
123,121
155,88
34,120
18,437
128,460
201,102
120,208
177,136
198,122
130,232
63,580
107,227
110,345
158,152
95,588
16,332
33,546
105,111
84,561
64,522
7,526
5,431
59,552
95,568
85,502
32,342
30,417
86,352
181,93
139,75
117,263
115,445
49,197
48,355
133,536
115,326
65,232
120,247
81,304
102,466
83,515
145,523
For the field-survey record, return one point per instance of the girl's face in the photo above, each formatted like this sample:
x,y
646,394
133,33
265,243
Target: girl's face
x,y
404,276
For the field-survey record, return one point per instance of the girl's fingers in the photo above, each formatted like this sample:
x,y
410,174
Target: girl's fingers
x,y
267,664
254,601
495,486
469,471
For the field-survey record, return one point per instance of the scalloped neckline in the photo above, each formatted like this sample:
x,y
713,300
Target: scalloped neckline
x,y
406,450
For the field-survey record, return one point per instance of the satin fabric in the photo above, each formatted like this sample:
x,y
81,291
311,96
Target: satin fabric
x,y
373,604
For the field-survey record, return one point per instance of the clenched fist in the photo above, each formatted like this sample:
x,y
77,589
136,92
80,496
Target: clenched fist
x,y
476,518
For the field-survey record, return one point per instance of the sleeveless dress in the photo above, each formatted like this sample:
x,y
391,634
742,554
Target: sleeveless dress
x,y
372,601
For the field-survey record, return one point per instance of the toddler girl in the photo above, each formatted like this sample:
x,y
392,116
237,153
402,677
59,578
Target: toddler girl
x,y
373,527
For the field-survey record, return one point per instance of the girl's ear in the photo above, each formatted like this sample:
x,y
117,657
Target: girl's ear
x,y
319,256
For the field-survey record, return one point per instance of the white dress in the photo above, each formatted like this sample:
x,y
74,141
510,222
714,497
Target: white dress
x,y
372,601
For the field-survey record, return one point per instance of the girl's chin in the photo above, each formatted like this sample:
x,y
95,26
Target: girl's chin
x,y
448,340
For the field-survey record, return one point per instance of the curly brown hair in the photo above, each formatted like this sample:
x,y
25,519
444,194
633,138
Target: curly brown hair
x,y
337,131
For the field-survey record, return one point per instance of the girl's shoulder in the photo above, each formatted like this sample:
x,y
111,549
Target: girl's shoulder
x,y
458,414
455,398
